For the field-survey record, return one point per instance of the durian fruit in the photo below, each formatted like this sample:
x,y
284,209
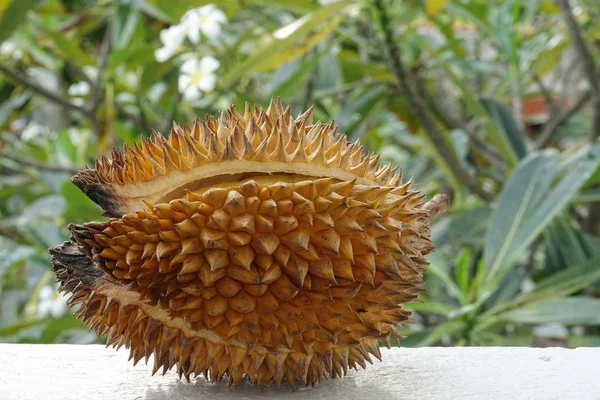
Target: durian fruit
x,y
252,246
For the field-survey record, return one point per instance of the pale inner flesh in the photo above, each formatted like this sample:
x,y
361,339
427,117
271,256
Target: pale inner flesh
x,y
174,185
227,181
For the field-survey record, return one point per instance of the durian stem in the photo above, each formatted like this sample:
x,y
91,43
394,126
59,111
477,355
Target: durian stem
x,y
439,204
417,104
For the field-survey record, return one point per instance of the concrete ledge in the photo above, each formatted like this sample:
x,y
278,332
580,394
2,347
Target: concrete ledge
x,y
57,372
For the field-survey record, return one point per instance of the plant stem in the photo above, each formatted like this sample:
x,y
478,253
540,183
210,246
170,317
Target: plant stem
x,y
591,72
26,81
417,104
455,121
28,163
550,103
342,90
552,126
96,92
169,117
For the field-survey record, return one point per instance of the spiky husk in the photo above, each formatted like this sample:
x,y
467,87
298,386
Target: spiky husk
x,y
294,276
233,145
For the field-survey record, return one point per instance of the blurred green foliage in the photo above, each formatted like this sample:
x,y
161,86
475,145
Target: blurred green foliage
x,y
81,76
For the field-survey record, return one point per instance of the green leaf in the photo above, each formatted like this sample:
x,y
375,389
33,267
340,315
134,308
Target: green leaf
x,y
356,110
526,207
437,268
431,307
547,60
293,52
12,253
79,207
447,170
295,79
13,15
583,341
432,336
68,49
14,329
568,311
469,13
125,27
283,46
558,198
464,227
461,269
531,178
563,283
508,287
172,10
57,326
432,7
513,135
565,246
473,105
589,196
296,5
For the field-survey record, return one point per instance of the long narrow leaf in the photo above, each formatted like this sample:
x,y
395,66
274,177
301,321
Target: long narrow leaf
x,y
562,283
283,41
568,311
518,196
525,208
502,117
558,198
13,15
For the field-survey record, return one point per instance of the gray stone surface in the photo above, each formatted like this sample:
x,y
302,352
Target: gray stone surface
x,y
57,372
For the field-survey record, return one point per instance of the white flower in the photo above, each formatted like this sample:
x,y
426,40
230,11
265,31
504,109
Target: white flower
x,y
51,303
78,101
129,78
156,91
8,48
79,89
172,40
527,285
34,131
91,72
207,19
198,76
125,98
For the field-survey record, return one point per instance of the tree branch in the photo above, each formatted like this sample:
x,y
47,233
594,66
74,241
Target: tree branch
x,y
47,167
336,91
417,105
455,121
550,103
552,126
582,49
307,96
26,81
96,92
591,72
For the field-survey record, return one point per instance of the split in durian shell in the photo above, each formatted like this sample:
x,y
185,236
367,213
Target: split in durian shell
x,y
253,245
